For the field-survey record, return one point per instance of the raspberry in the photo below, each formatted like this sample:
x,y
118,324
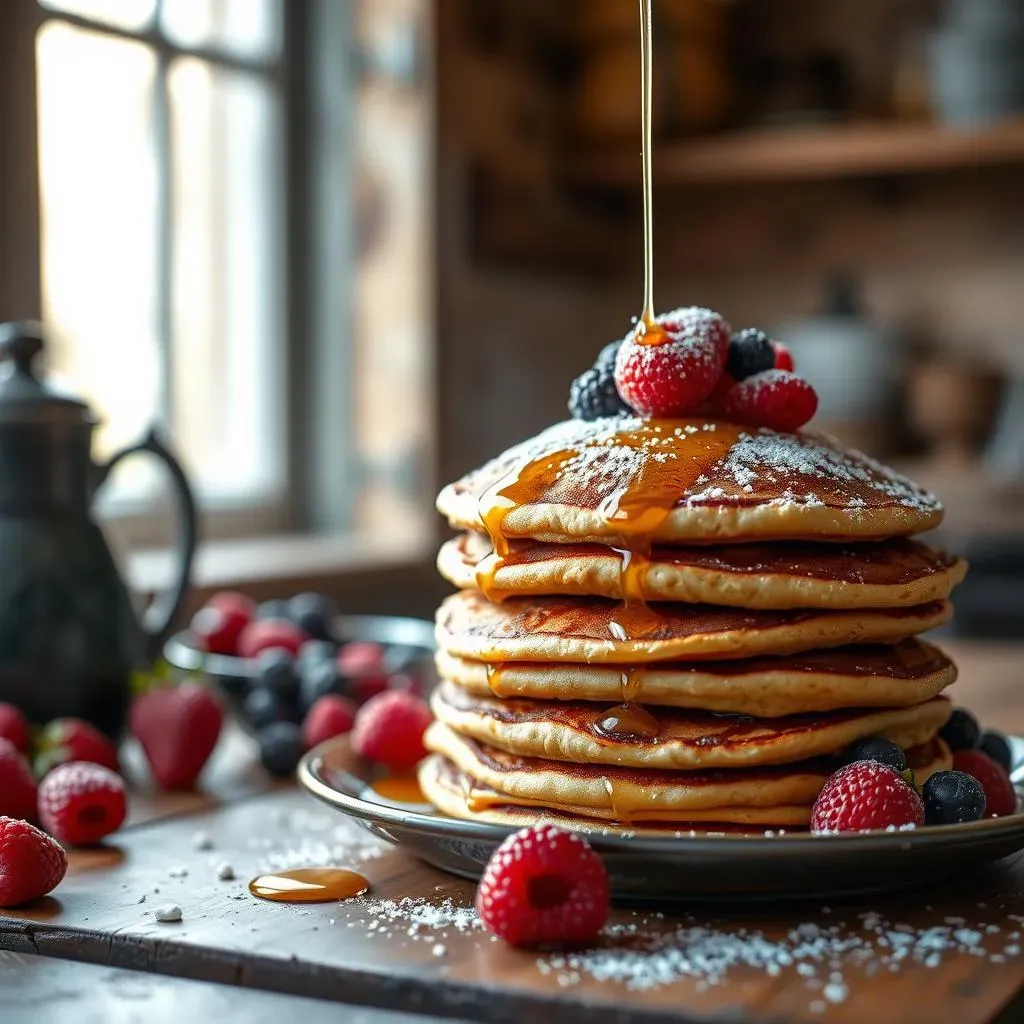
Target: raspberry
x,y
14,727
264,633
783,357
750,352
219,624
80,803
31,863
593,393
361,664
674,377
544,885
1000,796
776,399
17,784
331,715
865,795
389,729
72,739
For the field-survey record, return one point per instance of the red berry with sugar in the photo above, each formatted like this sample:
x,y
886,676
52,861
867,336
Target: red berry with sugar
x,y
331,715
14,727
783,357
866,795
80,803
17,784
265,633
31,862
776,399
673,377
1000,796
389,729
544,885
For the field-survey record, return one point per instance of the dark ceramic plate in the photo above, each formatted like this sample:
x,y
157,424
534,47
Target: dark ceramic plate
x,y
720,868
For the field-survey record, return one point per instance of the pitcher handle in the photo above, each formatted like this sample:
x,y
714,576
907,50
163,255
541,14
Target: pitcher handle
x,y
159,617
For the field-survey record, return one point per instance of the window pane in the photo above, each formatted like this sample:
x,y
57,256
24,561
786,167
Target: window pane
x,y
131,14
98,182
245,28
227,303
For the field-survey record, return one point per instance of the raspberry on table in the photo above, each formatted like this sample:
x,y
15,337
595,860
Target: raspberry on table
x,y
544,885
866,795
17,784
952,797
389,729
673,378
73,739
31,863
1000,796
81,802
776,399
750,352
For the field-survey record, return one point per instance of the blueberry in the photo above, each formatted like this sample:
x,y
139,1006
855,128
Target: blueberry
x,y
317,650
313,614
275,670
962,731
281,747
750,352
876,748
234,686
263,707
951,798
276,609
318,678
994,744
406,660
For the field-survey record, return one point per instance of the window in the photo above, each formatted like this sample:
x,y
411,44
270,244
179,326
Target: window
x,y
234,229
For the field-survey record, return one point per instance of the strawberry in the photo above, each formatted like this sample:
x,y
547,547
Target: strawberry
x,y
776,399
178,729
783,357
1000,796
31,863
866,795
544,885
331,715
265,633
72,739
389,729
14,727
672,377
218,625
80,803
17,784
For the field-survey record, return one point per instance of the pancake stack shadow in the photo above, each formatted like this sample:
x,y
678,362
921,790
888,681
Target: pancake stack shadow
x,y
669,625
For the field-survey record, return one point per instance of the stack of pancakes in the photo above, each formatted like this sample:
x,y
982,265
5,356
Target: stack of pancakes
x,y
669,623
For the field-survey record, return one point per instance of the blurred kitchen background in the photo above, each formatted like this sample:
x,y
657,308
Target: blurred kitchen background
x,y
343,250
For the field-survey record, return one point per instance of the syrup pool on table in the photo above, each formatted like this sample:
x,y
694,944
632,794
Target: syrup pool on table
x,y
309,885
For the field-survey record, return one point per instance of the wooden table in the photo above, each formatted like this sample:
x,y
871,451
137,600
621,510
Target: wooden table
x,y
370,953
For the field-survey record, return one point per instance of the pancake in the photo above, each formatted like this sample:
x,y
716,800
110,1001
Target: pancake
x,y
619,478
456,793
845,677
584,630
657,737
634,794
888,574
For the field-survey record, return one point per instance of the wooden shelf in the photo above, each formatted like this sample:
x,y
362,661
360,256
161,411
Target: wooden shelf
x,y
796,154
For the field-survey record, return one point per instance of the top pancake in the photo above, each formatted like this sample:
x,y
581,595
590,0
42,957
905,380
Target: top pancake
x,y
698,481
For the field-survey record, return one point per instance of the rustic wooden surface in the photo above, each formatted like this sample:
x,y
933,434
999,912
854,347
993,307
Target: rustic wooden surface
x,y
349,952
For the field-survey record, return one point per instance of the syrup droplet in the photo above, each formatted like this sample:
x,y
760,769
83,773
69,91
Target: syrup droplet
x,y
494,674
309,885
402,789
629,720
631,683
620,808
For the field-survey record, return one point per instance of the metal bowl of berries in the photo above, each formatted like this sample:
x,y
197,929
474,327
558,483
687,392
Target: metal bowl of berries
x,y
274,661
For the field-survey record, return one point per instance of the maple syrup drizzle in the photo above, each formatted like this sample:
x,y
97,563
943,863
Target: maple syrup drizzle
x,y
402,789
631,683
309,885
494,674
628,721
620,808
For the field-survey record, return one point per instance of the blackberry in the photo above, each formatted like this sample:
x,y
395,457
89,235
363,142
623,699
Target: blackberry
x,y
593,394
951,798
750,352
876,748
605,360
994,744
962,731
281,747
